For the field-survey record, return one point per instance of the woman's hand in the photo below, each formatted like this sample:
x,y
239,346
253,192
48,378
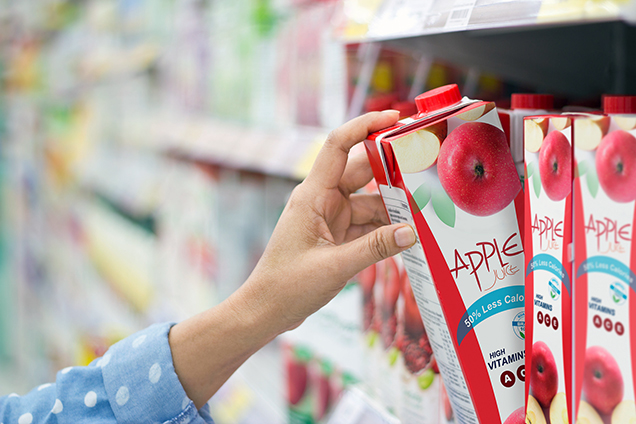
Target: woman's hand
x,y
326,235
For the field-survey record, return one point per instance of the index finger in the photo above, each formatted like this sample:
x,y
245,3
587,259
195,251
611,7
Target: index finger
x,y
332,158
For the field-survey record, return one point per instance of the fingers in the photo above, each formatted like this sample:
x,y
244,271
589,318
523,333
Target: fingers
x,y
332,158
355,231
357,174
367,208
384,242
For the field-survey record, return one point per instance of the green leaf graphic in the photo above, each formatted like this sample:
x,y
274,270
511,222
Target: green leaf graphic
x,y
536,183
426,379
530,170
394,353
444,207
592,181
372,337
580,169
523,336
422,195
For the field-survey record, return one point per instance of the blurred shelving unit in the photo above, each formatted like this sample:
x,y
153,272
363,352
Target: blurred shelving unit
x,y
148,146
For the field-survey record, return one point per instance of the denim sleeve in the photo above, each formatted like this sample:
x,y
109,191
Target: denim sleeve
x,y
133,383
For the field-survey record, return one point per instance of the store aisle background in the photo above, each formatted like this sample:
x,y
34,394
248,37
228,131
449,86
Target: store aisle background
x,y
147,148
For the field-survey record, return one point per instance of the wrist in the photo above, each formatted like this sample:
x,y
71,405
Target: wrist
x,y
258,306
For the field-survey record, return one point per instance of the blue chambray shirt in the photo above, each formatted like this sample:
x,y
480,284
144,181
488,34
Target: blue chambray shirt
x,y
133,383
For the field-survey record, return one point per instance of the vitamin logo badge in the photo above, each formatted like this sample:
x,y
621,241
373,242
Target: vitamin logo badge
x,y
519,325
555,291
618,292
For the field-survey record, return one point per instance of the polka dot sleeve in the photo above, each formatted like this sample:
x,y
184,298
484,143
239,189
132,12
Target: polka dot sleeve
x,y
134,382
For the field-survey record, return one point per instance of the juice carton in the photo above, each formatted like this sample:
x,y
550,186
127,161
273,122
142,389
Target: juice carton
x,y
548,243
522,105
300,401
449,173
419,375
604,263
388,302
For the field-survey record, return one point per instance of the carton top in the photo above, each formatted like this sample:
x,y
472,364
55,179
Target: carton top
x,y
619,104
532,101
438,98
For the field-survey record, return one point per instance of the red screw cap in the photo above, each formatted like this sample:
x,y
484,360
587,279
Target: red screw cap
x,y
532,101
438,98
619,104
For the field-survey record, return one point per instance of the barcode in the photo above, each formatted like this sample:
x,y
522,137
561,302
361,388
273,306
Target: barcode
x,y
459,14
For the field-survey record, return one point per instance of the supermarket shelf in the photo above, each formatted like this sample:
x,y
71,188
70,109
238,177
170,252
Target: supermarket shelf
x,y
287,153
555,59
392,19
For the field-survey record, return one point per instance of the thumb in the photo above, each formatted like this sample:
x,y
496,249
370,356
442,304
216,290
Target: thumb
x,y
382,243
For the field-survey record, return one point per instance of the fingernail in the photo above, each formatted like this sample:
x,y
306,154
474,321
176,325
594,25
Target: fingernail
x,y
391,111
404,236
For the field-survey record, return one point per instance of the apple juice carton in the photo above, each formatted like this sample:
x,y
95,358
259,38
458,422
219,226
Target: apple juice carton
x,y
419,375
388,303
548,239
300,401
522,105
370,327
604,263
449,173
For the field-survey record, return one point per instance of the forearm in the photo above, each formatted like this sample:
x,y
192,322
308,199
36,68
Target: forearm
x,y
209,347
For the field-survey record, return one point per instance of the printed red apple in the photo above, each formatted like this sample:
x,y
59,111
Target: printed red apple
x,y
414,342
367,281
543,376
296,380
324,396
616,166
534,131
518,416
602,380
418,150
413,324
476,169
534,412
390,278
555,166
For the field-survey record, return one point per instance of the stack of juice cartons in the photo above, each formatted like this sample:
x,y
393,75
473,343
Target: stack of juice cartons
x,y
580,264
548,239
604,264
449,173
